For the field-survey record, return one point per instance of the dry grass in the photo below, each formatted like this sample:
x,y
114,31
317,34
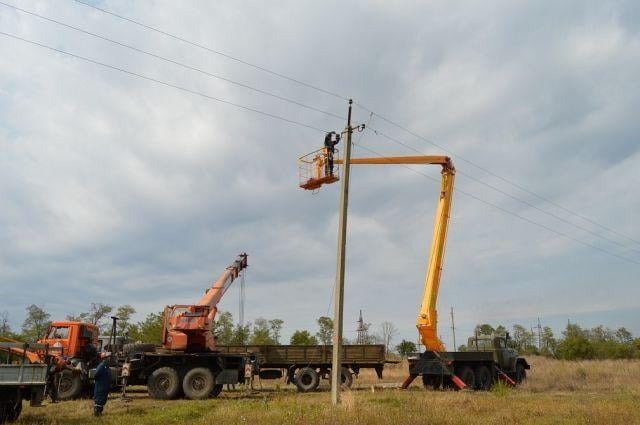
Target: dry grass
x,y
595,392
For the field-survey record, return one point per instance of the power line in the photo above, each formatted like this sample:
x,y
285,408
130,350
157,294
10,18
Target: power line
x,y
183,65
209,49
529,204
164,83
325,91
506,211
516,185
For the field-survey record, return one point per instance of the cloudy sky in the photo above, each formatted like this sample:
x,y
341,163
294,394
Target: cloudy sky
x,y
118,189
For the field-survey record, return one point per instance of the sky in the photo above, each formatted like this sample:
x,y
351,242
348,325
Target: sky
x,y
122,190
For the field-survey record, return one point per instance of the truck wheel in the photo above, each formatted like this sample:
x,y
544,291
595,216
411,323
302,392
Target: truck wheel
x,y
468,377
483,378
307,379
198,383
521,373
164,384
13,411
71,385
346,378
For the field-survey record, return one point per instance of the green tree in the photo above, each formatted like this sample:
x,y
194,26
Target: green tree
x,y
223,328
405,348
500,330
149,330
484,329
325,330
623,336
275,325
124,313
303,337
241,334
549,343
575,345
35,324
261,334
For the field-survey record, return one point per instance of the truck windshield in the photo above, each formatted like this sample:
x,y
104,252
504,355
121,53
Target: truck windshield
x,y
58,332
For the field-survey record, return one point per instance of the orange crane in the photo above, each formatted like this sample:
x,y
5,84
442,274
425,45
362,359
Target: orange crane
x,y
314,173
188,327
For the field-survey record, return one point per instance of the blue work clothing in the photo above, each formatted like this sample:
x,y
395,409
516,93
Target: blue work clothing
x,y
102,386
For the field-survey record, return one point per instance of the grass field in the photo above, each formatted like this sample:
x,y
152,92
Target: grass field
x,y
590,392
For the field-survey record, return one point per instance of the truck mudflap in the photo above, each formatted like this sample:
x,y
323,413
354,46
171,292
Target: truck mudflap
x,y
227,376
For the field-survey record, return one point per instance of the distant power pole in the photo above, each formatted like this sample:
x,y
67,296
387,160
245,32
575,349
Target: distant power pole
x,y
539,335
361,331
453,331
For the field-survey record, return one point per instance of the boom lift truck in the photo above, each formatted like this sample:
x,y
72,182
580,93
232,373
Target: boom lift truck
x,y
188,362
476,369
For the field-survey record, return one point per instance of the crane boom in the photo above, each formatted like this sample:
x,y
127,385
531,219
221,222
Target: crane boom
x,y
427,322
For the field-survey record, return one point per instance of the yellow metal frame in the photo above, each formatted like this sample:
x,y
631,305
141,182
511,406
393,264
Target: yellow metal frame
x,y
427,322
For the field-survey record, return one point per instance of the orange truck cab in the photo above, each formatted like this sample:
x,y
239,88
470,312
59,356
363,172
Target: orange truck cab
x,y
71,337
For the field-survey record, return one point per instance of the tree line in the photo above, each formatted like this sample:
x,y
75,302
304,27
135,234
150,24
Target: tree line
x,y
575,343
149,330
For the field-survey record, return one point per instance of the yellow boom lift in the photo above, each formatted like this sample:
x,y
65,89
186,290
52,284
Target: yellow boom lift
x,y
488,359
315,172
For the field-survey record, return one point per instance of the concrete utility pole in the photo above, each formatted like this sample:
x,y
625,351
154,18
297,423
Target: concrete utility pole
x,y
336,363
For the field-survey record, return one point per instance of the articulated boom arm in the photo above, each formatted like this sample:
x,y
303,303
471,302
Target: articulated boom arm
x,y
188,327
427,322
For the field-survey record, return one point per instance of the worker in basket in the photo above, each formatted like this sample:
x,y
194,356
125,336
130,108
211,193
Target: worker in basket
x,y
331,139
102,384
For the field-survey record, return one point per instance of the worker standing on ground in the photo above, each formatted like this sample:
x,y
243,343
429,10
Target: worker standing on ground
x,y
102,386
53,380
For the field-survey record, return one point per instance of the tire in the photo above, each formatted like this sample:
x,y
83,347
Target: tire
x,y
198,383
521,373
14,410
138,348
346,378
71,385
3,411
164,384
465,373
307,379
483,378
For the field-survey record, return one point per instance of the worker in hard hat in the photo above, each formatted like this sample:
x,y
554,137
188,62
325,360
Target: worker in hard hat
x,y
331,139
102,384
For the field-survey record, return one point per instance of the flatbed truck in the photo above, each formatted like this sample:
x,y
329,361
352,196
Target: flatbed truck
x,y
306,365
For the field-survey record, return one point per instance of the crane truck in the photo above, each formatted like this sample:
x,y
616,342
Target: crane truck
x,y
483,364
188,362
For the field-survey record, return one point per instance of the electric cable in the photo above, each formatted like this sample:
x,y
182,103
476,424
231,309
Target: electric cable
x,y
325,91
528,220
183,65
164,83
504,179
209,49
515,198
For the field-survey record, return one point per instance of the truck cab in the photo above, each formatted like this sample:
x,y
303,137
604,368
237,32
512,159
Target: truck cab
x,y
70,337
505,358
